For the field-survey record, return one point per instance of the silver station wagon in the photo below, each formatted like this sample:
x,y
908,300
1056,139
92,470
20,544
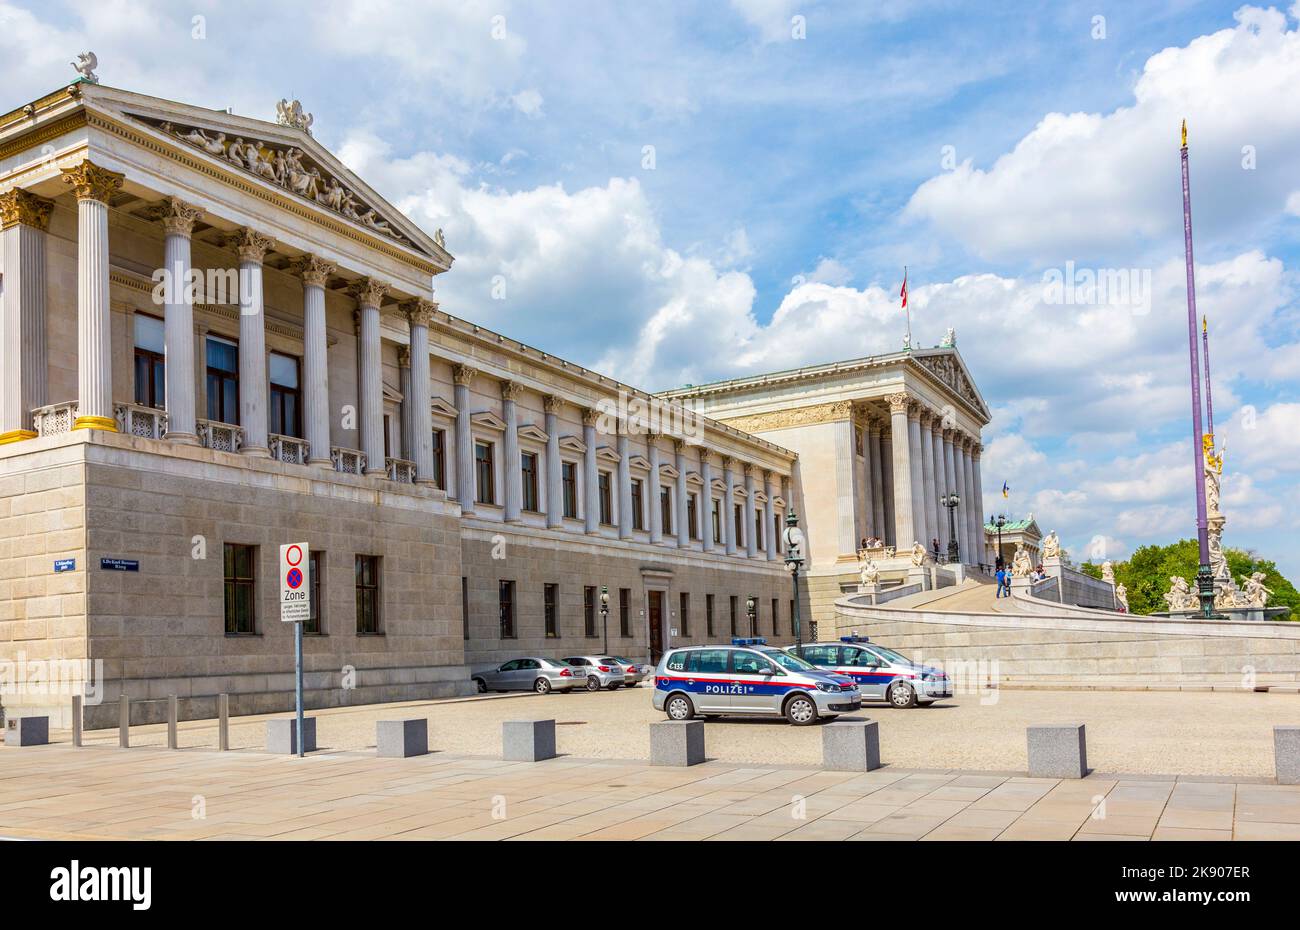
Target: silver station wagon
x,y
531,673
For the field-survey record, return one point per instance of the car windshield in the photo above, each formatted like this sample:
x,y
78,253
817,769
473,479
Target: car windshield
x,y
552,663
896,657
622,661
785,660
609,660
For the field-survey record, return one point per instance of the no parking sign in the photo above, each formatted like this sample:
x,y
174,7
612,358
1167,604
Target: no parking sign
x,y
295,592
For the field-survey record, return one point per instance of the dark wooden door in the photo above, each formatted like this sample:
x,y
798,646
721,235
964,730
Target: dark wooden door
x,y
656,613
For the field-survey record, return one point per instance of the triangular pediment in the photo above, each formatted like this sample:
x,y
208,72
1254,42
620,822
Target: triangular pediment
x,y
946,366
668,471
572,444
532,432
488,420
443,409
693,477
639,461
607,454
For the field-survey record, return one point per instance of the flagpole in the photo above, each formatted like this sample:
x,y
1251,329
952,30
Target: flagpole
x,y
1204,575
907,308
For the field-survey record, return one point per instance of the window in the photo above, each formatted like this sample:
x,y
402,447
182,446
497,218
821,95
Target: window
x,y
367,579
776,616
708,661
708,614
638,506
739,523
624,610
693,516
776,530
464,607
735,604
666,508
528,467
684,614
717,522
569,480
487,492
758,530
506,606
315,561
223,380
822,655
589,611
749,663
286,397
606,502
150,365
440,458
551,610
240,564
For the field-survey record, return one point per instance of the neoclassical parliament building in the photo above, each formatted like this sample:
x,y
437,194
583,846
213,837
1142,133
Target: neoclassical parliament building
x,y
216,339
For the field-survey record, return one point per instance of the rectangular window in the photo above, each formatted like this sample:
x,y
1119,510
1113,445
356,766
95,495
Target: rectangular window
x,y
693,516
684,614
367,578
738,523
286,397
735,607
589,611
440,458
776,531
150,361
638,504
758,530
666,509
776,616
315,559
223,380
551,609
717,523
569,479
708,614
606,501
506,605
528,466
240,578
464,607
487,490
624,611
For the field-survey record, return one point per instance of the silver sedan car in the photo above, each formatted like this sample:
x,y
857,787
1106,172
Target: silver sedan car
x,y
634,672
601,671
531,673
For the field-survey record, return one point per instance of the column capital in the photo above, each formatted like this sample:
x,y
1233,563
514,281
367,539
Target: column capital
x,y
314,270
899,403
590,416
369,292
679,445
250,245
511,390
177,216
949,434
91,182
403,356
22,208
418,312
727,462
463,374
552,403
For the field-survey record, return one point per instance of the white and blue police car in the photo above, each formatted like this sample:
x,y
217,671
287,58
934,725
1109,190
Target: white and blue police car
x,y
882,674
749,677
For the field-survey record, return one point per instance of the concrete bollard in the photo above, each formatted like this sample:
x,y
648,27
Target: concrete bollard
x,y
76,720
677,742
1286,755
401,739
223,722
851,745
27,731
282,735
124,722
1057,751
527,740
173,712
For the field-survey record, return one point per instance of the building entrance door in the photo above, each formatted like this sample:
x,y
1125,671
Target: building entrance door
x,y
655,611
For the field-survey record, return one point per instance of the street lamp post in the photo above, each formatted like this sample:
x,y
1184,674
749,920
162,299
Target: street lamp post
x,y
951,500
1000,521
604,614
751,609
794,541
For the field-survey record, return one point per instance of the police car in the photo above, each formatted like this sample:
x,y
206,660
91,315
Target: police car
x,y
749,678
882,674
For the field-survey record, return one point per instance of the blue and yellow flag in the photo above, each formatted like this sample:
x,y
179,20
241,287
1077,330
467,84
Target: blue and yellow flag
x,y
1006,491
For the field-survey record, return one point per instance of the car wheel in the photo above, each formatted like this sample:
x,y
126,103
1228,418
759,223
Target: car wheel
x,y
615,686
542,686
679,707
481,685
800,710
902,695
593,683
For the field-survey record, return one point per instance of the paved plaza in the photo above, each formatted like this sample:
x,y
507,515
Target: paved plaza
x,y
58,792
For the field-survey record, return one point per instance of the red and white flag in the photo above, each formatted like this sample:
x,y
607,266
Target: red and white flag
x,y
903,292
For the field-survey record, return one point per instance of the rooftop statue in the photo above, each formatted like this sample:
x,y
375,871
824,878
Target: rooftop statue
x,y
86,64
291,114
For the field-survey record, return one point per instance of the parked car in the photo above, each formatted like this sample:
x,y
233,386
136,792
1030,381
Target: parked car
x,y
749,678
530,673
633,672
601,671
882,674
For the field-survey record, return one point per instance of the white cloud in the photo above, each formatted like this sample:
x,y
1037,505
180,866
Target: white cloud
x,y
528,102
770,17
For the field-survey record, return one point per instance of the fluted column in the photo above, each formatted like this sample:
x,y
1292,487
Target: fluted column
x,y
963,527
624,484
929,498
728,508
972,511
751,541
178,220
652,492
591,506
252,247
769,517
419,399
976,450
887,484
915,462
863,500
904,522
510,392
954,485
706,501
462,377
315,273
24,219
941,482
683,495
370,295
877,489
404,413
551,406
94,187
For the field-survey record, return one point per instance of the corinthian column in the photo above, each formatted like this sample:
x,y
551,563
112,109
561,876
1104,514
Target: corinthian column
x,y
24,219
252,248
178,220
462,376
370,374
941,482
624,484
94,186
591,484
904,522
728,507
706,501
683,495
652,492
963,525
954,484
419,314
976,449
973,510
751,542
929,497
315,349
551,406
769,517
914,461
513,465
877,489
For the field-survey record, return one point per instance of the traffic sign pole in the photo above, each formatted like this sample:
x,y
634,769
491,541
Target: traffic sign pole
x,y
297,661
295,608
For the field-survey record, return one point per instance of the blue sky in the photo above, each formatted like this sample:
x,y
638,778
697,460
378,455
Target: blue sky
x,y
803,152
